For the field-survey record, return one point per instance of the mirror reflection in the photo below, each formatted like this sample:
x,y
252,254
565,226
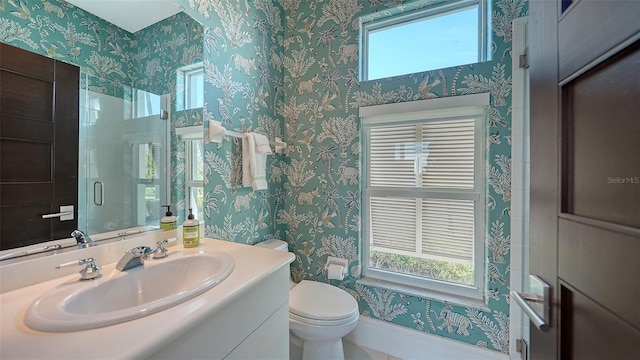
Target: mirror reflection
x,y
135,89
122,161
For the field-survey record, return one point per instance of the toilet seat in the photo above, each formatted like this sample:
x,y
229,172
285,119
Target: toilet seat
x,y
316,303
321,322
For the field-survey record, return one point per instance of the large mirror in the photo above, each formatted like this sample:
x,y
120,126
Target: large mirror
x,y
137,83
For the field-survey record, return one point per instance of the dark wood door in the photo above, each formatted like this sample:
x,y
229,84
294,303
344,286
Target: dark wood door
x,y
38,146
585,176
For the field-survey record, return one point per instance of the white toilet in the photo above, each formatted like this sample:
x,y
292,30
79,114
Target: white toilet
x,y
319,314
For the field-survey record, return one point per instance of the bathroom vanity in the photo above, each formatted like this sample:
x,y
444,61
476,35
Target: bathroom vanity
x,y
243,317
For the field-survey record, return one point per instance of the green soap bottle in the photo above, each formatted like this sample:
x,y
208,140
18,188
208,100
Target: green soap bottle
x,y
191,231
169,221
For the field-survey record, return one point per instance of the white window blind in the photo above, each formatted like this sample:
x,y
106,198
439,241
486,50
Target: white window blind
x,y
393,156
424,182
450,154
394,223
447,229
425,155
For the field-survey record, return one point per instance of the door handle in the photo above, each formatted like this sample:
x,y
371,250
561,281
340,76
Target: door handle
x,y
100,201
66,213
536,305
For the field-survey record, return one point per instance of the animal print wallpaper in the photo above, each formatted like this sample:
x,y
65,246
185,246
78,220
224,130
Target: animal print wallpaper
x,y
162,50
292,66
64,32
244,90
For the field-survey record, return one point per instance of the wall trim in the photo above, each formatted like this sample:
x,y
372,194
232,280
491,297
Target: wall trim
x,y
406,343
518,323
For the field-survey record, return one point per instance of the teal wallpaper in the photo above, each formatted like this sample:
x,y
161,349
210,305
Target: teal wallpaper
x,y
116,59
321,118
64,32
164,47
302,57
161,50
244,90
146,60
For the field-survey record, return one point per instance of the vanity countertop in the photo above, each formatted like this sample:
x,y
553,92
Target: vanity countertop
x,y
137,338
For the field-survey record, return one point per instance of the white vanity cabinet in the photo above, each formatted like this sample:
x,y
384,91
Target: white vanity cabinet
x,y
253,326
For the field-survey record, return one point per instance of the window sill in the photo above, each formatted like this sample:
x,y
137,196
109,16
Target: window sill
x,y
424,293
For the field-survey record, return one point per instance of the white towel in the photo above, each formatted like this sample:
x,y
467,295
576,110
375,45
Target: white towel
x,y
259,161
216,131
254,160
246,159
262,144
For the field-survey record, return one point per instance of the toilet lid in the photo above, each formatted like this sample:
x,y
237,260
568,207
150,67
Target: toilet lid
x,y
316,300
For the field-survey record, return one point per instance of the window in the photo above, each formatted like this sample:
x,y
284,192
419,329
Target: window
x,y
146,169
146,104
423,195
194,175
190,87
194,88
434,38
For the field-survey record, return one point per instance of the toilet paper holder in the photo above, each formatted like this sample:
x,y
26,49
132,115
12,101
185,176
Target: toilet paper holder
x,y
337,261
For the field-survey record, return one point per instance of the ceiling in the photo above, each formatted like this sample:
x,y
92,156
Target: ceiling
x,y
131,15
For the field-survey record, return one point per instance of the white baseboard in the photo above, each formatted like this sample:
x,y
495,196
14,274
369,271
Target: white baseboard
x,y
405,343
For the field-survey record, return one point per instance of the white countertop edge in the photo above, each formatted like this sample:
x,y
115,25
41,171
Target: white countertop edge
x,y
138,338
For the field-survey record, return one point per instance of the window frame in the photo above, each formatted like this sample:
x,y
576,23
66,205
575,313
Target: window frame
x,y
184,78
189,181
368,26
144,104
414,112
188,79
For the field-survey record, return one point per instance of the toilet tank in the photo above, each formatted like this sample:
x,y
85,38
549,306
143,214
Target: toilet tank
x,y
278,245
274,244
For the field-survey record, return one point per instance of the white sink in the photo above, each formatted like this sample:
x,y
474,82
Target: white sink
x,y
122,296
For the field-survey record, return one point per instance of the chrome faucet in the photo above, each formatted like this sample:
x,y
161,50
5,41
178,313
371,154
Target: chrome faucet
x,y
91,271
133,258
82,240
160,252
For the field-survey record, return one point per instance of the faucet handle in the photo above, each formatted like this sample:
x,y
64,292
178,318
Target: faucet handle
x,y
90,272
160,252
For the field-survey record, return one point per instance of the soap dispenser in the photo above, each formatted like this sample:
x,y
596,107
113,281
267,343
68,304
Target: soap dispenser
x,y
191,231
169,221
